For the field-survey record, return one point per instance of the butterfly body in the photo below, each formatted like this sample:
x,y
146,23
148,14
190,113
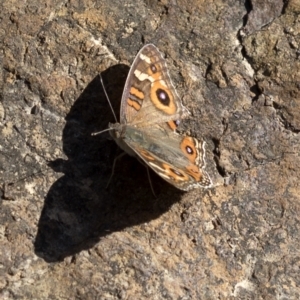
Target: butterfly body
x,y
150,113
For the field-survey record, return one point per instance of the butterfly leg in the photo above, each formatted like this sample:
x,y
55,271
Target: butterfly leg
x,y
149,178
113,168
150,182
113,171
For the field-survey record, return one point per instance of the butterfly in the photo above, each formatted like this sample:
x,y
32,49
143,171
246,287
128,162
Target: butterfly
x,y
150,112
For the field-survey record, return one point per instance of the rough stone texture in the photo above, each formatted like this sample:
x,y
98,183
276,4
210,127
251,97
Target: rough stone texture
x,y
64,236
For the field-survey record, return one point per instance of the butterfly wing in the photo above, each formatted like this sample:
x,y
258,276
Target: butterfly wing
x,y
149,95
180,160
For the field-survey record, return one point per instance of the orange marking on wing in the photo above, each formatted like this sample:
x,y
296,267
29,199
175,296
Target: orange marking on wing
x,y
172,125
137,93
175,174
193,170
158,65
147,155
154,68
169,107
188,148
155,76
134,104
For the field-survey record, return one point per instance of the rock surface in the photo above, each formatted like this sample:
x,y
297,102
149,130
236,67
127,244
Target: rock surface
x,y
63,235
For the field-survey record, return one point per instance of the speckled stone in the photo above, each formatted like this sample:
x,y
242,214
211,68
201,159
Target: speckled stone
x,y
64,235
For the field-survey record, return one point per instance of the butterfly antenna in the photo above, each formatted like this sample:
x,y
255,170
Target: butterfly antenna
x,y
99,132
101,80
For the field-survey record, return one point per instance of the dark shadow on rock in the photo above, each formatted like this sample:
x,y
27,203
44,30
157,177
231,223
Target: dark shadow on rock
x,y
78,209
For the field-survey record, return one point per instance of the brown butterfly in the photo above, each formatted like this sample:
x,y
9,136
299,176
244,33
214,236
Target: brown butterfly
x,y
150,113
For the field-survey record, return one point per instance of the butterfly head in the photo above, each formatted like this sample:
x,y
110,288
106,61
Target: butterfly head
x,y
117,130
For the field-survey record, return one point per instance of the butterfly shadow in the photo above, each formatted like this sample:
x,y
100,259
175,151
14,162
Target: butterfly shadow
x,y
78,209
